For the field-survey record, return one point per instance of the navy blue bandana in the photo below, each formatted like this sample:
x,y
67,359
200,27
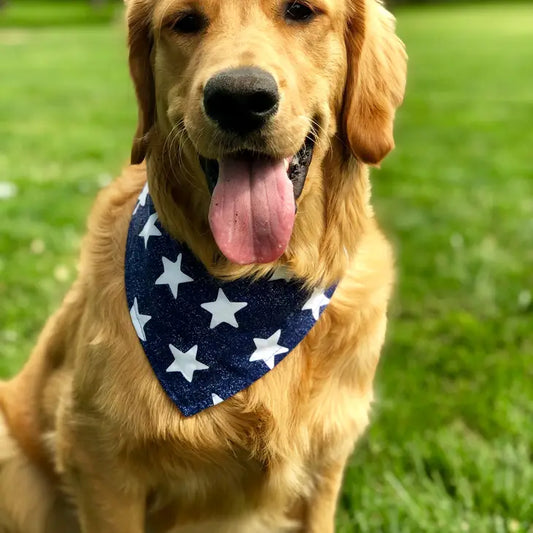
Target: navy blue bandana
x,y
207,339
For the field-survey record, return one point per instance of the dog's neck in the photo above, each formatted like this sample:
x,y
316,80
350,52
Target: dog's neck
x,y
333,213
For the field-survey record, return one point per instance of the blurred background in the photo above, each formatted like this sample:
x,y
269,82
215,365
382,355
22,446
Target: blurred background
x,y
450,448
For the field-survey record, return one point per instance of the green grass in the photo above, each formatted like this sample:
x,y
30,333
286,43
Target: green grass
x,y
54,13
451,444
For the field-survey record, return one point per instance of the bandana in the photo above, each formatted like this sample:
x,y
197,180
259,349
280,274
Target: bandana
x,y
207,339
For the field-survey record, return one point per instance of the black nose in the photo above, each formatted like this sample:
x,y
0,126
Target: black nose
x,y
241,100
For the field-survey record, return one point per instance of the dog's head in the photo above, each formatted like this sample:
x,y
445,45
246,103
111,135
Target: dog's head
x,y
247,106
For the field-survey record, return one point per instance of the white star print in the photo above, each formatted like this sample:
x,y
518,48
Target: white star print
x,y
172,275
267,349
216,399
139,321
144,195
281,273
150,230
142,198
185,363
317,300
222,310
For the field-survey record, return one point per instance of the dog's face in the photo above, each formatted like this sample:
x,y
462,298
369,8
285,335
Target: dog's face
x,y
253,93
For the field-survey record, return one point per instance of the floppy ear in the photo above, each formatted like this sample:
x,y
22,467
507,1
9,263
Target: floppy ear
x,y
140,43
375,82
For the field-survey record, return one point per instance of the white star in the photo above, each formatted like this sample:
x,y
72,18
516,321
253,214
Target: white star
x,y
267,349
185,363
223,310
144,195
172,275
281,273
150,230
216,399
317,300
139,321
142,198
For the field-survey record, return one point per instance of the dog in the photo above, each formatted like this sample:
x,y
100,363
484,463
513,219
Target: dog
x,y
258,122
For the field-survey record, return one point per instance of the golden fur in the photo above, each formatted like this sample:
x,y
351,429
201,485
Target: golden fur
x,y
86,426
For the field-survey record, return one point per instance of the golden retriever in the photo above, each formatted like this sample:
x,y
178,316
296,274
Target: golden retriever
x,y
87,435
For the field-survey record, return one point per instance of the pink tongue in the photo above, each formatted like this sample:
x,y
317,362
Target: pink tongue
x,y
252,210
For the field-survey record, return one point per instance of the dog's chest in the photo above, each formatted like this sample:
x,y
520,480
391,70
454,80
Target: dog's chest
x,y
262,452
217,469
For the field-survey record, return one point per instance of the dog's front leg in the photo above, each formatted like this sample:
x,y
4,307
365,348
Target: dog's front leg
x,y
106,507
321,505
108,494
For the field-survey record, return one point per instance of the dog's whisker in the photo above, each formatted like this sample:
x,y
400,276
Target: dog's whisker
x,y
178,141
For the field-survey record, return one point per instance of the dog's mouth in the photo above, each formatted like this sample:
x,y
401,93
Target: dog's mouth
x,y
253,202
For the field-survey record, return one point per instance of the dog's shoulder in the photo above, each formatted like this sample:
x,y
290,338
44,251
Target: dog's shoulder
x,y
104,244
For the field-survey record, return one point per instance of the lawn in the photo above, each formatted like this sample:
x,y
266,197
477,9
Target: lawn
x,y
451,444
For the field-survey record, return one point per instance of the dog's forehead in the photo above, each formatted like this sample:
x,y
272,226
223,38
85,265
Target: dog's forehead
x,y
164,6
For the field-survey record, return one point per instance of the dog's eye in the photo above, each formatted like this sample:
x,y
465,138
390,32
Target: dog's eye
x,y
190,23
298,12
